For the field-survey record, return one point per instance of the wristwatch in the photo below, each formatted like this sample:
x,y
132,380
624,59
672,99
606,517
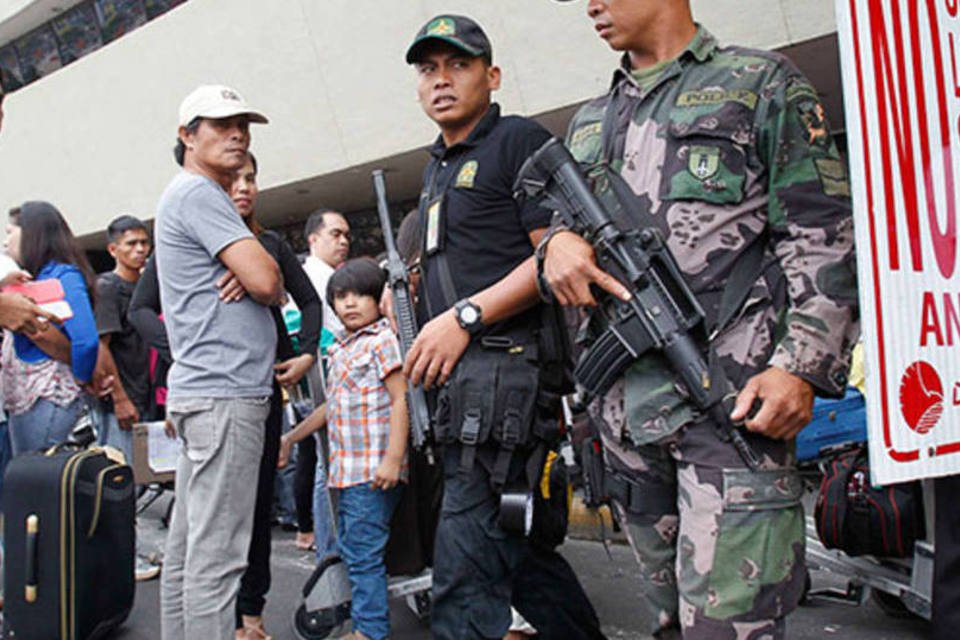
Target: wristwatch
x,y
469,316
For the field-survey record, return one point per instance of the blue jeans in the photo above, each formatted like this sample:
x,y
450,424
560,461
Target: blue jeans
x,y
110,433
363,524
323,531
284,505
42,425
5,455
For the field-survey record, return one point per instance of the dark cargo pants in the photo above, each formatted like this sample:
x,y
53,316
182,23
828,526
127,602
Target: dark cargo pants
x,y
477,565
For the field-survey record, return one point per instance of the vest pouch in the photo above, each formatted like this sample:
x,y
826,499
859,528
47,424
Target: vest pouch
x,y
490,396
516,397
466,405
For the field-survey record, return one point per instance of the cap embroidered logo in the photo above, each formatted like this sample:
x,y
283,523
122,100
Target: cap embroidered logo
x,y
442,27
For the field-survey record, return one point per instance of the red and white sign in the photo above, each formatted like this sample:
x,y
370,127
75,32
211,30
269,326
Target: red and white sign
x,y
901,79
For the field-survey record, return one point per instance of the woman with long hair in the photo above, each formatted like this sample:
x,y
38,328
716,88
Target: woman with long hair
x,y
42,395
290,369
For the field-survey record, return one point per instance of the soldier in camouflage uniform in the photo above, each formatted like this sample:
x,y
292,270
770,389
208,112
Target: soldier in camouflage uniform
x,y
723,147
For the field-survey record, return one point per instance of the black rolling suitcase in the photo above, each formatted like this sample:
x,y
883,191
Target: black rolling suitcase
x,y
69,545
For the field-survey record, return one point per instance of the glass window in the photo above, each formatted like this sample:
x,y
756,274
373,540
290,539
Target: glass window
x,y
157,7
11,77
118,17
39,54
77,32
72,35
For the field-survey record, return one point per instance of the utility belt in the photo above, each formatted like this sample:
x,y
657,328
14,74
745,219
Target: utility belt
x,y
636,499
602,484
494,395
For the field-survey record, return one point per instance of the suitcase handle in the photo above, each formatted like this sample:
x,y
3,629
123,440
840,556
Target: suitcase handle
x,y
33,530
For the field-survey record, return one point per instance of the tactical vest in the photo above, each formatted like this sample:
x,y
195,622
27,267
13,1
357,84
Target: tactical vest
x,y
505,388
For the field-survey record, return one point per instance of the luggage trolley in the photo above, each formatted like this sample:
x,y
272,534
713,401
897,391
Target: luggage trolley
x,y
325,609
899,586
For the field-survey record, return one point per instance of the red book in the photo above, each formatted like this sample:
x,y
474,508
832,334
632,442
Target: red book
x,y
48,294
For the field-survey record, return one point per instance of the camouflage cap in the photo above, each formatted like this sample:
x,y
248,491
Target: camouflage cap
x,y
459,31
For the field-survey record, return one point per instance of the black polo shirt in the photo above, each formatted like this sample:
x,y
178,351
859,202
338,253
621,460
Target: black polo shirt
x,y
468,213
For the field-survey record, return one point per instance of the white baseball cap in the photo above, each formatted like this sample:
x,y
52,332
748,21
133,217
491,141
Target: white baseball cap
x,y
216,101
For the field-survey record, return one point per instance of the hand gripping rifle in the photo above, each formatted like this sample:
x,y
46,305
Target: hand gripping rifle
x,y
399,282
661,312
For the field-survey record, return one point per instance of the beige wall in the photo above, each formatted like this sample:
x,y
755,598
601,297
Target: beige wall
x,y
95,137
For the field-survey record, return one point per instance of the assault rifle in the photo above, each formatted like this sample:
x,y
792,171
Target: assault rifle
x,y
399,282
662,311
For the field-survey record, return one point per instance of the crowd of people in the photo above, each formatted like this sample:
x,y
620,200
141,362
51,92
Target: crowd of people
x,y
725,152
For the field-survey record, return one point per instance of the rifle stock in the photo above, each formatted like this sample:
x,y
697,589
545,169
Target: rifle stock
x,y
399,282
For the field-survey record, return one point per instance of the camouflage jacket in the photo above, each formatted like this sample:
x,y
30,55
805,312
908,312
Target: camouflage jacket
x,y
725,145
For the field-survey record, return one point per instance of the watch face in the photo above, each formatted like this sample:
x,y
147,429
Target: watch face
x,y
469,315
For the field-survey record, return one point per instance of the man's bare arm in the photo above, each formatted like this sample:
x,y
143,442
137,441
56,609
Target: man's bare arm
x,y
255,269
442,341
123,408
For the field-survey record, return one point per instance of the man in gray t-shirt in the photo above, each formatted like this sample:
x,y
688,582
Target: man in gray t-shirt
x,y
223,355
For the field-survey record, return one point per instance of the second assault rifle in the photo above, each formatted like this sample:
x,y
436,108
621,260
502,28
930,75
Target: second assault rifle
x,y
398,280
662,311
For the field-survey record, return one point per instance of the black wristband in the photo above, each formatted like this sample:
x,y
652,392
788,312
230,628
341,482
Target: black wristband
x,y
540,253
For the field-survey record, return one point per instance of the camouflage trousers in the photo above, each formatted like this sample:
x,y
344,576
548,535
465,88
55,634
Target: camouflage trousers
x,y
720,548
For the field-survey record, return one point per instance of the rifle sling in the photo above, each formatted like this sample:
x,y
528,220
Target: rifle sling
x,y
447,287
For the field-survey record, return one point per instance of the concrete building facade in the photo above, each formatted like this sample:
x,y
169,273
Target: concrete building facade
x,y
95,136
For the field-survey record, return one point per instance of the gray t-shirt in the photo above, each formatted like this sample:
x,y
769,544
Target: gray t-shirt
x,y
220,350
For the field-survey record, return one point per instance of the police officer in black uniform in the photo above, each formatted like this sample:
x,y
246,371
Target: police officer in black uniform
x,y
482,345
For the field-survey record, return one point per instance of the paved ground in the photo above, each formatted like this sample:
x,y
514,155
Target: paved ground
x,y
610,581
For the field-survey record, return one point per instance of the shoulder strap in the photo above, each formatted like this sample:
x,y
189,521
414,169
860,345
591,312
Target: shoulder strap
x,y
746,272
447,287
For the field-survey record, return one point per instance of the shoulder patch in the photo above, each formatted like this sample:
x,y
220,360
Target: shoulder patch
x,y
814,120
704,97
467,175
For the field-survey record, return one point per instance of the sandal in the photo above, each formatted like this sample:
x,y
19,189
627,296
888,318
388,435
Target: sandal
x,y
305,542
253,630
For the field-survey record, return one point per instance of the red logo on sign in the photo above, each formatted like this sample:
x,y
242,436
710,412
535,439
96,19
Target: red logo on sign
x,y
921,396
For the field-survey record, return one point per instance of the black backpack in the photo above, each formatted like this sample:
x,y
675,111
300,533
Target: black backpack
x,y
858,518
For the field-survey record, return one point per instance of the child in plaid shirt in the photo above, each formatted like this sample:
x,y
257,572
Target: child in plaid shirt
x,y
366,414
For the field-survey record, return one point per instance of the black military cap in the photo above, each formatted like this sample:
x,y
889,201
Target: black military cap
x,y
459,31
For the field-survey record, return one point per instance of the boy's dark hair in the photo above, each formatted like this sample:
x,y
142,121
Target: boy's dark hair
x,y
121,224
362,276
180,149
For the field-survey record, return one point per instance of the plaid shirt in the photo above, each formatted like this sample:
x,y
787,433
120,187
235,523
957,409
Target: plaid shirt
x,y
358,403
